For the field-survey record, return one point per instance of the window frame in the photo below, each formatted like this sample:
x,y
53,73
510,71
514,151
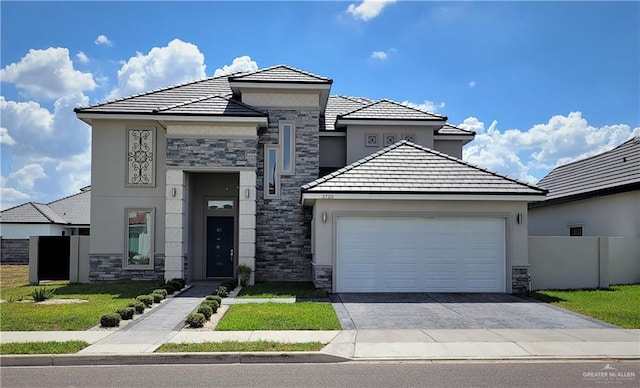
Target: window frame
x,y
126,259
282,138
268,149
153,157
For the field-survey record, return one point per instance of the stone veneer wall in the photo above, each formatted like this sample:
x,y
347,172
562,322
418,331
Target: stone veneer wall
x,y
198,152
323,277
104,268
14,251
519,279
283,226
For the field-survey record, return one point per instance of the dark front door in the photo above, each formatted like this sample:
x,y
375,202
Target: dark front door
x,y
219,247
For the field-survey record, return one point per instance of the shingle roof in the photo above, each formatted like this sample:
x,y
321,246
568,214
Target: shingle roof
x,y
612,169
74,210
212,105
280,74
338,105
390,110
449,129
408,168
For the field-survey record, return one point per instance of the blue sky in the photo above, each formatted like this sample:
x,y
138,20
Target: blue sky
x,y
542,83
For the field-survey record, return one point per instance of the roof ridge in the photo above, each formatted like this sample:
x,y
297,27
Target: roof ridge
x,y
415,109
456,127
67,197
118,99
41,212
183,103
353,98
258,71
633,139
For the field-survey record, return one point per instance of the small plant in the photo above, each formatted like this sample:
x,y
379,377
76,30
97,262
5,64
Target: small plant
x,y
157,298
196,320
126,313
161,291
205,310
146,299
180,281
217,298
137,306
213,304
110,320
230,284
222,291
244,271
41,294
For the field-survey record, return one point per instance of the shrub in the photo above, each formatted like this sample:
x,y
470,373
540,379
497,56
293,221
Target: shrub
x,y
126,313
41,294
217,298
230,284
180,281
110,320
161,291
205,310
244,271
146,299
213,304
157,298
137,306
196,320
222,291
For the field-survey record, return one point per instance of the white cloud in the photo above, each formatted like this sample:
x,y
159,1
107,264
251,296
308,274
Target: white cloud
x,y
472,84
530,154
176,63
428,106
381,55
5,138
82,57
239,64
103,40
47,74
10,197
27,175
368,9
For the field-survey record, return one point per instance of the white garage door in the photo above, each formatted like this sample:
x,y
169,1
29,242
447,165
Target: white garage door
x,y
410,254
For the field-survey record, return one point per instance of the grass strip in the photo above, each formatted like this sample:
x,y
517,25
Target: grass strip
x,y
280,316
50,347
271,290
618,305
234,346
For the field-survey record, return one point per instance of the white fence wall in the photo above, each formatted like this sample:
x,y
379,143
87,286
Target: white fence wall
x,y
583,262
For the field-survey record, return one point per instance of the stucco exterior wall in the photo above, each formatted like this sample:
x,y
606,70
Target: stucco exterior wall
x,y
110,195
324,234
333,151
449,147
356,148
615,215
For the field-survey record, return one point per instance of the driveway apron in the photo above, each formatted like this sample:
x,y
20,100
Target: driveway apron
x,y
371,311
153,328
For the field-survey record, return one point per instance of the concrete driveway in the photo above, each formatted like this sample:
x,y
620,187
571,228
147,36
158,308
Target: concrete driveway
x,y
452,311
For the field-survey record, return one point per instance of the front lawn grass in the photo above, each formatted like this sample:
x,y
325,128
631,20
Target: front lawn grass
x,y
618,305
51,347
280,316
103,298
282,290
234,346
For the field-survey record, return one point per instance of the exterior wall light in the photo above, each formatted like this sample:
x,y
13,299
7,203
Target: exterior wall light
x,y
324,217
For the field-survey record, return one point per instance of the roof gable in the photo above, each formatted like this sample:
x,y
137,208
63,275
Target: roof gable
x,y
280,74
390,110
212,105
73,210
408,168
614,169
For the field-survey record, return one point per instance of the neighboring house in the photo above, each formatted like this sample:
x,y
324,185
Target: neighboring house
x,y
596,196
233,169
67,216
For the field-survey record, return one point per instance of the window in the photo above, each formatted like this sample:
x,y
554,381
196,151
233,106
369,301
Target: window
x,y
219,204
575,231
288,143
139,239
140,157
271,172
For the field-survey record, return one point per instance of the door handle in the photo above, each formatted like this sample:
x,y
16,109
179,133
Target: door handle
x,y
231,258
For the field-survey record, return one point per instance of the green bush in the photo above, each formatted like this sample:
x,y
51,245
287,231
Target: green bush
x,y
180,281
205,310
146,299
161,291
126,313
244,271
137,306
157,298
217,298
196,320
110,320
222,291
230,284
213,304
41,294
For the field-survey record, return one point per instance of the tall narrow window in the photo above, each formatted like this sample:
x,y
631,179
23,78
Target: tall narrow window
x,y
139,238
288,144
271,172
140,157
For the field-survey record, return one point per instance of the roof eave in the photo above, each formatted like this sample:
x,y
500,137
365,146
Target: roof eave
x,y
309,198
586,195
409,122
262,121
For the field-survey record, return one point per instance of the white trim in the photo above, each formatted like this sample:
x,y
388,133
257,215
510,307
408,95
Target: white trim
x,y
87,117
309,198
279,85
125,264
385,122
453,137
267,158
332,133
292,147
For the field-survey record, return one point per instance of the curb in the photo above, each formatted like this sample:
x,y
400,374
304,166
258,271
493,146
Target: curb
x,y
169,358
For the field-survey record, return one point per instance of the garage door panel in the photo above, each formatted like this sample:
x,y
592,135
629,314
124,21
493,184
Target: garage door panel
x,y
389,254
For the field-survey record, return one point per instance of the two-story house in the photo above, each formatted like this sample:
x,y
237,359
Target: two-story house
x,y
267,169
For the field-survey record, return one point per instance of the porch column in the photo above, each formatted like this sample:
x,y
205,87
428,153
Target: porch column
x,y
247,222
175,215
